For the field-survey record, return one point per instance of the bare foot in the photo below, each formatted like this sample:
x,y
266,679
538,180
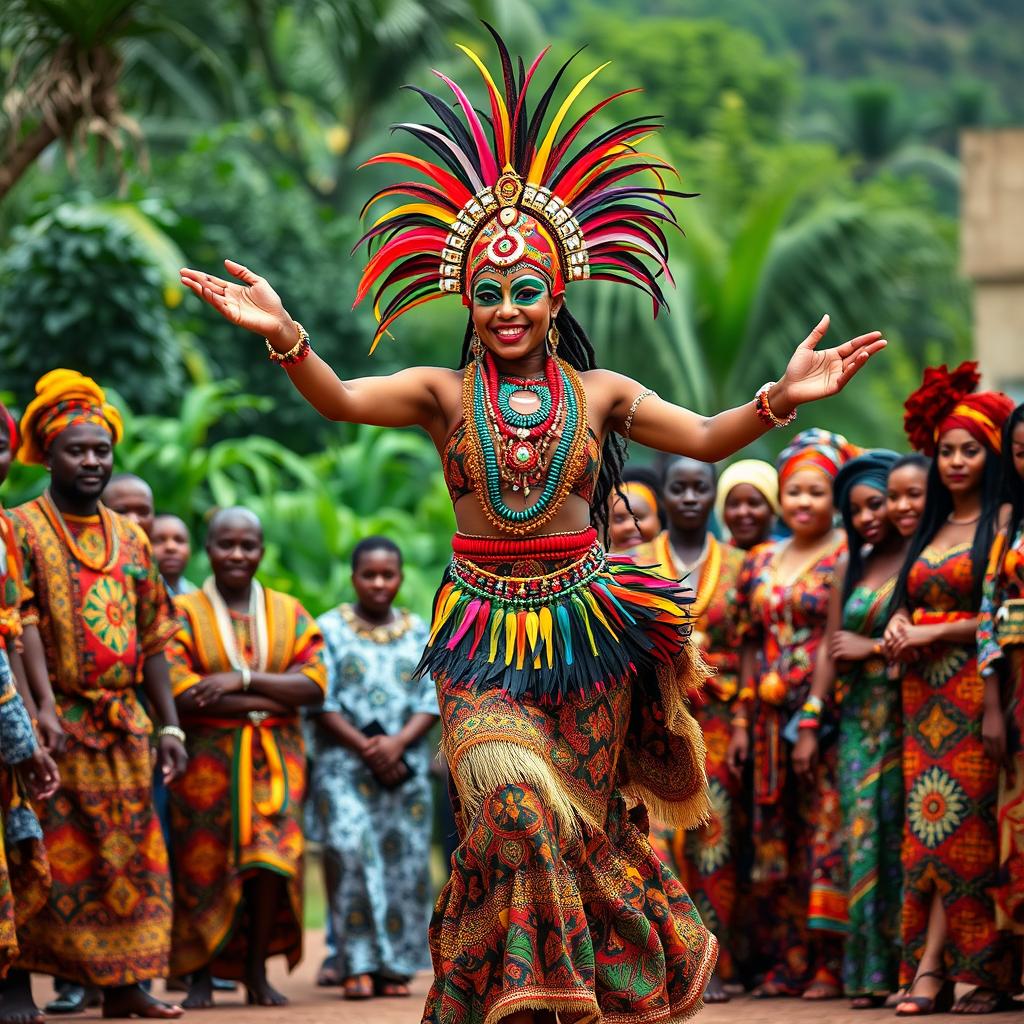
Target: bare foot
x,y
16,1003
125,1001
715,992
262,993
200,992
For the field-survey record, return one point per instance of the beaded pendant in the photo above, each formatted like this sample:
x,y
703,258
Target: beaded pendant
x,y
523,451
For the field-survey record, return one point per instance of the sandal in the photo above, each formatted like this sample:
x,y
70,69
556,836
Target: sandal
x,y
359,986
978,1000
926,1005
329,976
390,988
774,990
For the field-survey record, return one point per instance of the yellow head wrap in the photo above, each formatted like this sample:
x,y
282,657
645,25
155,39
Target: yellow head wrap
x,y
64,398
758,474
638,489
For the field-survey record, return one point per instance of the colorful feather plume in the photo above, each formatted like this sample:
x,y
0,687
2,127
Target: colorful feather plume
x,y
593,209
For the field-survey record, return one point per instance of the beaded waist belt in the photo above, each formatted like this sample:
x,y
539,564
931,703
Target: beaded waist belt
x,y
593,622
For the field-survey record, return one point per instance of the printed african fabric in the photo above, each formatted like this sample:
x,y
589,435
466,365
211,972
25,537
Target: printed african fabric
x,y
871,793
949,839
101,610
10,583
556,900
376,841
24,871
705,859
797,875
238,807
1001,649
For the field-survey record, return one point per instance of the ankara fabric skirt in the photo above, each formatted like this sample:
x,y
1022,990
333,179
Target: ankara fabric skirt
x,y
556,900
107,921
950,840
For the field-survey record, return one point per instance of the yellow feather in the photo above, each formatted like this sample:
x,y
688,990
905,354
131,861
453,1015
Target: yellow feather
x,y
586,622
506,125
539,163
532,625
544,618
596,609
444,216
495,626
510,637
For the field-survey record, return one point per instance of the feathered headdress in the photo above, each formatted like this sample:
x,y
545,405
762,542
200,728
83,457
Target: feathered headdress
x,y
946,400
513,188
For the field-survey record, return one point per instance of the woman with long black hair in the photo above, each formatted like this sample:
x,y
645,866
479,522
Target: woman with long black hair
x,y
562,673
870,742
1001,661
949,842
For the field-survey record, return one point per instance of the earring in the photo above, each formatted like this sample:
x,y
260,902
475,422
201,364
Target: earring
x,y
553,337
476,346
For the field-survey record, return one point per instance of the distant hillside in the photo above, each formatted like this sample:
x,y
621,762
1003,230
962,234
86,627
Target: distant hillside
x,y
925,47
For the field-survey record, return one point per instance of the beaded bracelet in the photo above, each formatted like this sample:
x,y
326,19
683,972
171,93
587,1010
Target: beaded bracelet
x,y
764,409
172,730
299,351
632,411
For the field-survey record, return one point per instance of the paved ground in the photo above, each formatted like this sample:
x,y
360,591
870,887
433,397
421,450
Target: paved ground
x,y
311,1005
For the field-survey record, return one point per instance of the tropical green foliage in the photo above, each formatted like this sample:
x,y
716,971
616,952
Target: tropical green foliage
x,y
314,508
820,135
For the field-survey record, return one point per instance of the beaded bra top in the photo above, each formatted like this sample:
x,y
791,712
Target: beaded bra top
x,y
460,481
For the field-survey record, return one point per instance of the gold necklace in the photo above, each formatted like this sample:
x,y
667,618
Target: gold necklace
x,y
111,544
385,633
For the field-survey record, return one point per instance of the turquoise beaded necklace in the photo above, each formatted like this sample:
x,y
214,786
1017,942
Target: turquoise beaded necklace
x,y
498,510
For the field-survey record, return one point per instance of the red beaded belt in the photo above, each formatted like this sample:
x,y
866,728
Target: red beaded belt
x,y
500,549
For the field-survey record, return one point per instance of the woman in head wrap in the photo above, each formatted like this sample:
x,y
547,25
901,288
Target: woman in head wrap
x,y
635,515
747,503
1001,656
870,742
950,781
782,602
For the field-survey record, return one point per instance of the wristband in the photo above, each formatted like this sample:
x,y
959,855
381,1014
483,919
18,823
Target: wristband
x,y
764,409
172,730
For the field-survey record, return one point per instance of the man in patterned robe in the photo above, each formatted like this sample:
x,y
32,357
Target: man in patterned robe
x,y
95,596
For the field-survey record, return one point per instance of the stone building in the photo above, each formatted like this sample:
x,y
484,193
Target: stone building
x,y
992,252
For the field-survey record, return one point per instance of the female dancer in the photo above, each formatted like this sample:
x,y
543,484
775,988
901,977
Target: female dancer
x,y
1001,658
870,739
783,601
706,858
545,652
949,840
747,503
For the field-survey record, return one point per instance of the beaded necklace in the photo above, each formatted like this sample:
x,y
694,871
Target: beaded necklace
x,y
515,450
111,543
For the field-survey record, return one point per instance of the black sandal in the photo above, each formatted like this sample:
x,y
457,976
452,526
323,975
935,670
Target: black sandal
x,y
927,1005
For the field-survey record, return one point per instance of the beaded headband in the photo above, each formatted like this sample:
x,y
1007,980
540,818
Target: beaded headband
x,y
502,193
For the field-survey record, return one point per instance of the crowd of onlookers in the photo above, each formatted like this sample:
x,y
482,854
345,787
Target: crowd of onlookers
x,y
863,612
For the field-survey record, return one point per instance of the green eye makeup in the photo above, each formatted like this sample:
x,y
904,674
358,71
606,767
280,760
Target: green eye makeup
x,y
487,294
528,290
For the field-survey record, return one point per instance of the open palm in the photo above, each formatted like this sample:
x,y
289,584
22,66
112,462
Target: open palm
x,y
812,374
253,304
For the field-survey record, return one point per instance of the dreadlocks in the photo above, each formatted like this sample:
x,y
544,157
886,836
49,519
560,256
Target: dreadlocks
x,y
575,348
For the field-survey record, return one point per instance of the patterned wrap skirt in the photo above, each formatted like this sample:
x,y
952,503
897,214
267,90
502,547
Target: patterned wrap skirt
x,y
563,678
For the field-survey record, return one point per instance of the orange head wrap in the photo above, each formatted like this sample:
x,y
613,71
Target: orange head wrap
x,y
946,400
64,398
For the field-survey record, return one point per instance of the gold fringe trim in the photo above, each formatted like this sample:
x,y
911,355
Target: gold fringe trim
x,y
484,767
505,1008
677,682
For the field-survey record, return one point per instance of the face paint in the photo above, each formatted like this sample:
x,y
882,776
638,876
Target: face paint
x,y
528,290
523,291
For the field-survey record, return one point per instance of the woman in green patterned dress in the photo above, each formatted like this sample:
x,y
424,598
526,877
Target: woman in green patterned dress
x,y
870,734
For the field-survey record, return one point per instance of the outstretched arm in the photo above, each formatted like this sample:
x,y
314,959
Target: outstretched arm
x,y
810,375
409,398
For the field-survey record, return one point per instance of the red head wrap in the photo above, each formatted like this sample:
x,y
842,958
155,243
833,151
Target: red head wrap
x,y
946,400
